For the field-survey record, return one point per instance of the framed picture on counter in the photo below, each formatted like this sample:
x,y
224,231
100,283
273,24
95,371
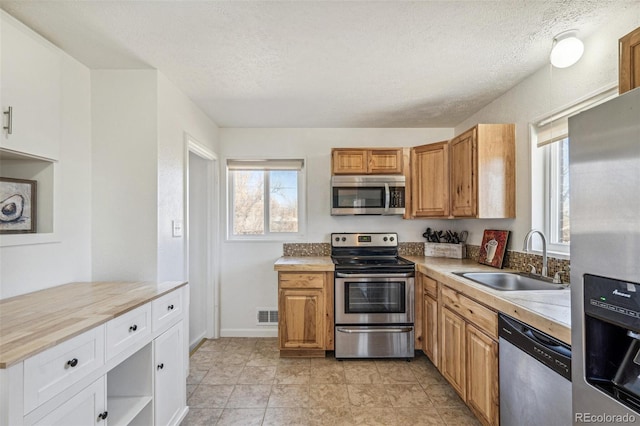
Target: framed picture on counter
x,y
493,247
18,200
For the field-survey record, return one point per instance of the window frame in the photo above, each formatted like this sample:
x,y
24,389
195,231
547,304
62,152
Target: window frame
x,y
270,165
552,195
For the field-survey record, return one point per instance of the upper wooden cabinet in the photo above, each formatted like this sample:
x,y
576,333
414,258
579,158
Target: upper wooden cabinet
x,y
482,175
355,161
629,61
430,180
473,175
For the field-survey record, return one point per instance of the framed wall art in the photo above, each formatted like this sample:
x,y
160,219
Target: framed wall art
x,y
18,201
493,247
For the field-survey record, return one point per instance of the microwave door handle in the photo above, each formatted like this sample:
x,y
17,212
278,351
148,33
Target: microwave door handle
x,y
387,198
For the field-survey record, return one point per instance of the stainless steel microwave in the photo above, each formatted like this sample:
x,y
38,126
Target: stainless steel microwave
x,y
368,194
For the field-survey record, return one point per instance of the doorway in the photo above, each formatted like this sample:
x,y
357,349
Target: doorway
x,y
202,254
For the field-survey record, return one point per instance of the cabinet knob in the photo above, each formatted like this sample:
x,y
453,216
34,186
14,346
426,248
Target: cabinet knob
x,y
72,362
103,416
160,366
133,327
170,308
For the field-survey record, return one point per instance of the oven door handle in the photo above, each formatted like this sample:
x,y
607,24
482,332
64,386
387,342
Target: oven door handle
x,y
394,275
375,330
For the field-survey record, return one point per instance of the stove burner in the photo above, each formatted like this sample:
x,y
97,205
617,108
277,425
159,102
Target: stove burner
x,y
363,253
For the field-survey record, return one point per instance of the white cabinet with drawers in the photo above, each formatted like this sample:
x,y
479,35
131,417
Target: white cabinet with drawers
x,y
128,329
54,370
130,370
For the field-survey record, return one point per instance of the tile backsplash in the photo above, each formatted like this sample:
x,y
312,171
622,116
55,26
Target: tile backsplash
x,y
519,261
513,259
306,249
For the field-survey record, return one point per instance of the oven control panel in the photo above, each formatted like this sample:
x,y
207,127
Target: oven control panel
x,y
376,239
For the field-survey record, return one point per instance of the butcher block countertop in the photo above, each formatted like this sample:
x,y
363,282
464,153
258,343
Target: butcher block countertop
x,y
36,321
547,310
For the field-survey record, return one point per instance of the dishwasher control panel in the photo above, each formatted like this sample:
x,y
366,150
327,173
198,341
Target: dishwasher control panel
x,y
548,350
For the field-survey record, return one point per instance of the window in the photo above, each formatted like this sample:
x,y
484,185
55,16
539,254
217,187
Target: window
x,y
266,199
550,173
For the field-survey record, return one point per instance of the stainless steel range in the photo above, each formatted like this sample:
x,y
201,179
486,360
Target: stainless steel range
x,y
374,297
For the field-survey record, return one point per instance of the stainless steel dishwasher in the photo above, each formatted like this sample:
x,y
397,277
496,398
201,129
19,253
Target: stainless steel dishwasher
x,y
535,376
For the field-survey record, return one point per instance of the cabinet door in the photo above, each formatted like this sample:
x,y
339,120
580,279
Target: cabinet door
x,y
349,161
31,86
385,161
430,328
464,170
452,350
301,322
482,375
430,180
170,383
87,407
630,61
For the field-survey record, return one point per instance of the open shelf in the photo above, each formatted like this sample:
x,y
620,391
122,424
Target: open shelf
x,y
130,389
123,409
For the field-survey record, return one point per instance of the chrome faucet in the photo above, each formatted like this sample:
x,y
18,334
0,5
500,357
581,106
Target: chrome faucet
x,y
525,248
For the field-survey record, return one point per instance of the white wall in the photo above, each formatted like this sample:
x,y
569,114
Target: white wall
x,y
124,133
34,267
139,125
177,115
543,93
248,280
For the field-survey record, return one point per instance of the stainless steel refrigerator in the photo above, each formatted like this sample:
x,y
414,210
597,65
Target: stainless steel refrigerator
x,y
604,158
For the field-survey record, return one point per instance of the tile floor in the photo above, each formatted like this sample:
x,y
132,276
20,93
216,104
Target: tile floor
x,y
243,381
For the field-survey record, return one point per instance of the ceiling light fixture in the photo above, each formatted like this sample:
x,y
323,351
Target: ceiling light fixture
x,y
566,50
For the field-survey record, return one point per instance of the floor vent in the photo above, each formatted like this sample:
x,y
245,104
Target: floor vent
x,y
267,316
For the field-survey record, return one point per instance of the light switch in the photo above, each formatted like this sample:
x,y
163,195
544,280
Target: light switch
x,y
177,228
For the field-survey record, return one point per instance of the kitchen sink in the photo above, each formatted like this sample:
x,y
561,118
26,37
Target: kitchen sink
x,y
508,281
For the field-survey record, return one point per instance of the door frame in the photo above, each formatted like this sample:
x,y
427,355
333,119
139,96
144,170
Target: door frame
x,y
192,146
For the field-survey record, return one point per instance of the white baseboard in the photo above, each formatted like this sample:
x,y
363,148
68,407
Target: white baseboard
x,y
249,332
197,341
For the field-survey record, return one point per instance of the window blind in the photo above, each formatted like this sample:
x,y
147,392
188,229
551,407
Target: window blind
x,y
556,127
282,164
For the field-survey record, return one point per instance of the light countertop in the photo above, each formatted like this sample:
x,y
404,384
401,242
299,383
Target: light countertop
x,y
547,310
33,322
304,263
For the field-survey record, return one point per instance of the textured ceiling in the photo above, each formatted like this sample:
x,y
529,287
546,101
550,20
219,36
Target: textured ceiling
x,y
323,63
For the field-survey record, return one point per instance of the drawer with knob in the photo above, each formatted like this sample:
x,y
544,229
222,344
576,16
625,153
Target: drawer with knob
x,y
126,330
167,309
53,370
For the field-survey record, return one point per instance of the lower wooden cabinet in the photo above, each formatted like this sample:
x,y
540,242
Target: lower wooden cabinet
x,y
427,317
301,313
452,350
482,375
305,313
469,352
